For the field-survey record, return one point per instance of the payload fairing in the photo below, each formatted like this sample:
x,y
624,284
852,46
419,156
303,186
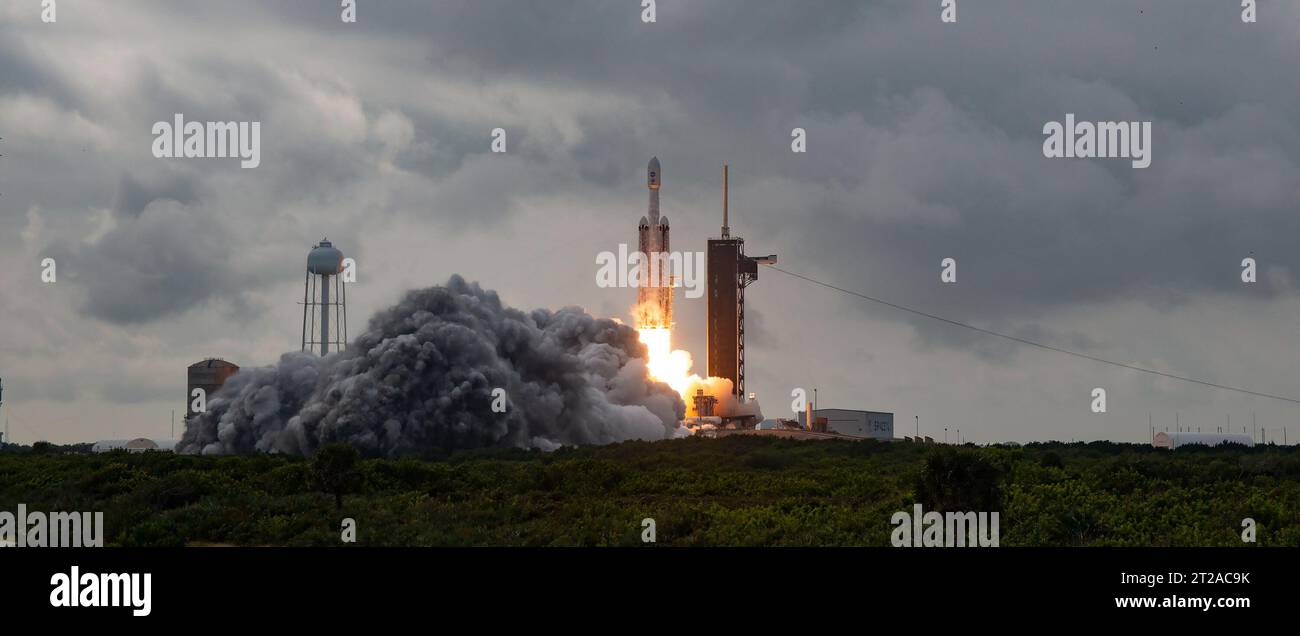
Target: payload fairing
x,y
655,288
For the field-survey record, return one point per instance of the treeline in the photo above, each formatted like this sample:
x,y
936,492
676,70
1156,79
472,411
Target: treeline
x,y
731,491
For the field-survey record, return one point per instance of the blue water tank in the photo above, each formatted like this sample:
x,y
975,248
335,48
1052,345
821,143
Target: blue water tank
x,y
325,259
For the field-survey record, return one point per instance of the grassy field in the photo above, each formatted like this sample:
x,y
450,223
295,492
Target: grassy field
x,y
700,492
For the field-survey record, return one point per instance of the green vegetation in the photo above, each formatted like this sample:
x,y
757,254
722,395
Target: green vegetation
x,y
732,491
336,469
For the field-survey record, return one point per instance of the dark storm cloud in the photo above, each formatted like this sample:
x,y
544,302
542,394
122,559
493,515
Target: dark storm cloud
x,y
134,195
169,259
756,331
926,142
21,70
926,138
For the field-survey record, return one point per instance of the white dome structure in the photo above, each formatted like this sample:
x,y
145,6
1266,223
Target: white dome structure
x,y
137,445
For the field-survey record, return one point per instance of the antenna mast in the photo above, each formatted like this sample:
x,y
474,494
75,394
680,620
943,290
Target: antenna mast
x,y
726,230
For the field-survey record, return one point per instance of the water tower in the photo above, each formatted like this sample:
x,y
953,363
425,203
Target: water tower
x,y
324,264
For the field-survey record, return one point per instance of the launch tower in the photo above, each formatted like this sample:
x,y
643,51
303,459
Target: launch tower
x,y
729,273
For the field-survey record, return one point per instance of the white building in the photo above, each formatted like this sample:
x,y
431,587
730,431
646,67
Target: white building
x,y
137,445
1174,440
858,423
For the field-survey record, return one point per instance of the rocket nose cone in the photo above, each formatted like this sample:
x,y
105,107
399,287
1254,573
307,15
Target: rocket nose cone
x,y
653,173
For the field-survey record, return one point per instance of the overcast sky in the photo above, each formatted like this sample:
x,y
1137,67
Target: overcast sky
x,y
924,143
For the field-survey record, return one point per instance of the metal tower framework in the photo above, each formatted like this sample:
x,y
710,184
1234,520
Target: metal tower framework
x,y
317,303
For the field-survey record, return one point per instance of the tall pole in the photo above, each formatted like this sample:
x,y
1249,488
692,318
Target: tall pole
x,y
324,315
341,312
306,298
726,229
918,428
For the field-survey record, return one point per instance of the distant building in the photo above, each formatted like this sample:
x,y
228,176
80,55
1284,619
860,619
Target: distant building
x,y
137,445
1174,440
871,424
778,424
209,375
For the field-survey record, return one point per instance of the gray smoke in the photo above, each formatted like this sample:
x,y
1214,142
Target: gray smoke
x,y
422,375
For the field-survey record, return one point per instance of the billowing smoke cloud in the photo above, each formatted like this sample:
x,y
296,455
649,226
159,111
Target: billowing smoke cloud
x,y
422,377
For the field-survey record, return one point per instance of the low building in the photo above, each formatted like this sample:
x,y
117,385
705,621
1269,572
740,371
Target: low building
x,y
853,423
1174,440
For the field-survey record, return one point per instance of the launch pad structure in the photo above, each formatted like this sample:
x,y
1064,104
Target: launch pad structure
x,y
730,271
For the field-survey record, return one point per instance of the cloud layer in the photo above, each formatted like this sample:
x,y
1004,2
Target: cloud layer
x,y
924,143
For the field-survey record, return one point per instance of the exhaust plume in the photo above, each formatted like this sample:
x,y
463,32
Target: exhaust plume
x,y
422,377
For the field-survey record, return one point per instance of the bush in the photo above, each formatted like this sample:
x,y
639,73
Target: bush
x,y
959,480
335,470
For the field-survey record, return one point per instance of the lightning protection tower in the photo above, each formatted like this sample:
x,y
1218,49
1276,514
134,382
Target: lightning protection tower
x,y
324,266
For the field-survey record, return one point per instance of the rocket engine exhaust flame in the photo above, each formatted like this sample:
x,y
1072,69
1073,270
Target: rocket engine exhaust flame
x,y
673,367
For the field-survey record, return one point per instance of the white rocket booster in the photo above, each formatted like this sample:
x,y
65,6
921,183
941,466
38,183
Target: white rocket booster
x,y
655,289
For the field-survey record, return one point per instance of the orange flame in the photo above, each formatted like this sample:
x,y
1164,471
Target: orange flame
x,y
667,365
